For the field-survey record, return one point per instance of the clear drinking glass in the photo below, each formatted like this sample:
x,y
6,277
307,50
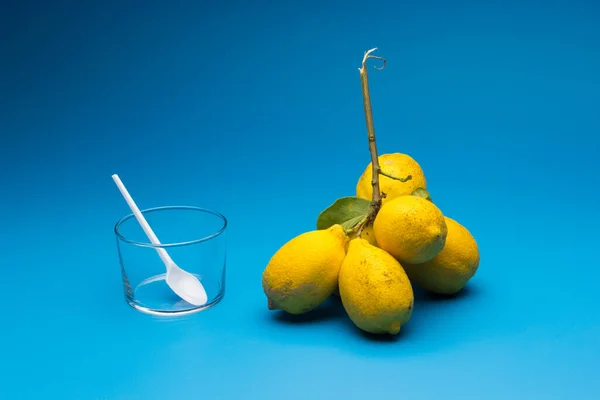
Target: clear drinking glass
x,y
194,238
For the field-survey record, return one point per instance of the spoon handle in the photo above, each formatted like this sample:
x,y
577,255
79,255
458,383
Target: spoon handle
x,y
142,221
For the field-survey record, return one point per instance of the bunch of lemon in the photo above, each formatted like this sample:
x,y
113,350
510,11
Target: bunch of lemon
x,y
410,241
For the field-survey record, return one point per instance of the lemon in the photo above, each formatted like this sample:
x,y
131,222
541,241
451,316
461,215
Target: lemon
x,y
395,164
367,234
410,228
453,267
375,291
303,273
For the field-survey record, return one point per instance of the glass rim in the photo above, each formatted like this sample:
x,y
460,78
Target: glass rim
x,y
186,243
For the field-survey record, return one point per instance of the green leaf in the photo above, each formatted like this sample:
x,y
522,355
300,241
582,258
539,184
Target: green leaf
x,y
346,211
422,192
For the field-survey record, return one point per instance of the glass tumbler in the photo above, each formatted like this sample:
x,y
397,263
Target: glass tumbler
x,y
194,237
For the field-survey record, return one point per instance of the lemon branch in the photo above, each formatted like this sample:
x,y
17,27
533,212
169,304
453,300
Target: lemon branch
x,y
352,212
376,168
376,199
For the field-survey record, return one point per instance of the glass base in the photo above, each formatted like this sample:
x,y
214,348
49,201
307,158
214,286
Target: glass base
x,y
153,296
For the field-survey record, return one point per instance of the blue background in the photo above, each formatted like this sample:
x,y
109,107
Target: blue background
x,y
254,109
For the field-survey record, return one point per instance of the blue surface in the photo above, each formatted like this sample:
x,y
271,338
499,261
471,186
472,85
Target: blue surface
x,y
255,110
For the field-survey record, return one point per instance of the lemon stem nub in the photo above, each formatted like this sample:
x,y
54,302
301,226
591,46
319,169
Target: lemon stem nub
x,y
271,304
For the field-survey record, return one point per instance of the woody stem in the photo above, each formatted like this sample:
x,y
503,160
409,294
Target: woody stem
x,y
376,169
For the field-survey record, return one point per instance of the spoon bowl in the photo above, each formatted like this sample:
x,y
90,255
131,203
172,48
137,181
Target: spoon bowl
x,y
186,285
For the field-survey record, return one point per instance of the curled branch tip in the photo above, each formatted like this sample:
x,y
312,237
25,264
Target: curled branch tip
x,y
368,55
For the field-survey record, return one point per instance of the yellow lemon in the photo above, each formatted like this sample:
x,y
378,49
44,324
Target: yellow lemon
x,y
367,234
398,165
303,273
375,291
453,267
410,228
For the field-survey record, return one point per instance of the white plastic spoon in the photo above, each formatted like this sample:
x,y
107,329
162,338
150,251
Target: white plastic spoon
x,y
184,284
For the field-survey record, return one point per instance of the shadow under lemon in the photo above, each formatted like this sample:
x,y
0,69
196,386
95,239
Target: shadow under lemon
x,y
332,311
332,308
441,320
423,296
432,320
